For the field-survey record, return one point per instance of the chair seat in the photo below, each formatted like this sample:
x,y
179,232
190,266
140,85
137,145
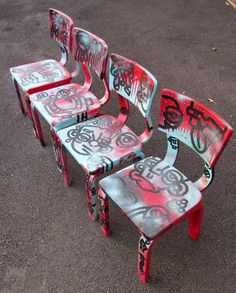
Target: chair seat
x,y
100,143
37,76
153,194
65,105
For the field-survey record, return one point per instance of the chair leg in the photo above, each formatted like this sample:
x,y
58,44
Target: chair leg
x,y
144,252
104,213
195,223
30,114
19,96
60,156
56,149
92,196
65,173
38,127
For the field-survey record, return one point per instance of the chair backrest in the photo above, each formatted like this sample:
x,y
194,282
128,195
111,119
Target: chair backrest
x,y
194,124
133,82
90,50
61,26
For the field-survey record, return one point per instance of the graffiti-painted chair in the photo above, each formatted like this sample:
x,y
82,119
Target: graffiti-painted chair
x,y
72,103
42,75
155,195
103,142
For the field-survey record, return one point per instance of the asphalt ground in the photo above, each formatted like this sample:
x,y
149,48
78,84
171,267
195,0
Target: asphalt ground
x,y
47,242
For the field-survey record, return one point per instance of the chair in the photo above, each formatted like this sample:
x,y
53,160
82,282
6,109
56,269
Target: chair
x,y
101,143
38,76
152,193
72,103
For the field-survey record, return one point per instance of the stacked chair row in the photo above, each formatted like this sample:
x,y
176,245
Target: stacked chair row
x,y
152,193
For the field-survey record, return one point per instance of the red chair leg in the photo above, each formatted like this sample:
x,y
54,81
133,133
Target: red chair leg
x,y
30,114
60,156
38,127
91,196
19,97
56,149
104,214
144,252
65,173
195,223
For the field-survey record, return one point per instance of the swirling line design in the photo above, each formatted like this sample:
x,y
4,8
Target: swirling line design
x,y
65,101
178,205
126,140
148,212
175,182
41,96
145,91
123,73
46,72
144,174
90,140
204,130
173,115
